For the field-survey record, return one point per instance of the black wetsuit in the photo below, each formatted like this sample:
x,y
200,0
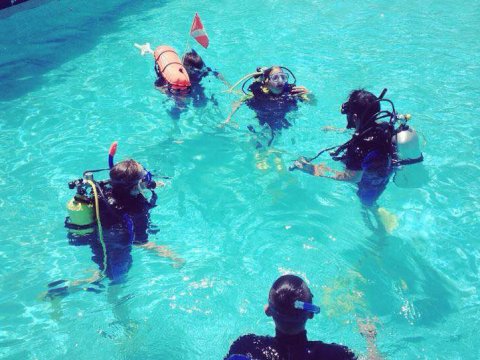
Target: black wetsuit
x,y
286,347
197,92
272,109
125,221
371,151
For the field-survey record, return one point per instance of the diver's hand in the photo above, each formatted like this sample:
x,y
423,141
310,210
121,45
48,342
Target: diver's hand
x,y
299,164
367,328
299,90
333,128
306,166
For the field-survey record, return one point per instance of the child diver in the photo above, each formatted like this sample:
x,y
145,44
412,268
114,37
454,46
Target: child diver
x,y
272,97
111,216
371,155
197,71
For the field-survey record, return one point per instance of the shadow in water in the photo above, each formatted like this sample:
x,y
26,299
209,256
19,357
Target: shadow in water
x,y
393,278
42,35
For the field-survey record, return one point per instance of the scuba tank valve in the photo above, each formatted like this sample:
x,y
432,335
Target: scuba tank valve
x,y
80,220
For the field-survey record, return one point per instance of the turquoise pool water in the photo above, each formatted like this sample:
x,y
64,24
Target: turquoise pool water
x,y
71,82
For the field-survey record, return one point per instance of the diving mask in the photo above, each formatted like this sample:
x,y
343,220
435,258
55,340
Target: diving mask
x,y
279,77
146,183
346,110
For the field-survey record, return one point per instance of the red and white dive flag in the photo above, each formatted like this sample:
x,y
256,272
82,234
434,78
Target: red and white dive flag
x,y
197,31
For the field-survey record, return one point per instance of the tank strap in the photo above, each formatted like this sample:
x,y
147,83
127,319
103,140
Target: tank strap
x,y
171,64
409,161
70,225
163,52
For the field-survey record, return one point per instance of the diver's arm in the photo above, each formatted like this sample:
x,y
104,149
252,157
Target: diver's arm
x,y
323,171
369,332
302,93
160,85
162,89
163,251
153,199
333,128
235,107
299,90
220,77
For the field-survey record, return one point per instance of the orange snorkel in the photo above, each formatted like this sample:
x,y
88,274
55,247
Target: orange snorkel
x,y
111,153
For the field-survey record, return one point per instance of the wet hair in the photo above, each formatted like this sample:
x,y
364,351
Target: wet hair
x,y
126,173
285,291
192,60
364,104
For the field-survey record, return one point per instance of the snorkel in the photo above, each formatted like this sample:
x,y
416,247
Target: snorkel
x,y
111,154
146,182
306,307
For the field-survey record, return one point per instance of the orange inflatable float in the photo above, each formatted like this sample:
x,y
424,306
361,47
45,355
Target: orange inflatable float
x,y
169,66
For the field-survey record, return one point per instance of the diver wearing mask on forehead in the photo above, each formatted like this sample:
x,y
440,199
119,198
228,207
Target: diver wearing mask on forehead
x,y
271,96
113,215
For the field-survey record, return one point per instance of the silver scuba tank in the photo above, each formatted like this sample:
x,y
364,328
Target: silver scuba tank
x,y
411,173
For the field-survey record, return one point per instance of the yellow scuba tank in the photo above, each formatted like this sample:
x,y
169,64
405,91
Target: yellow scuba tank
x,y
410,172
81,219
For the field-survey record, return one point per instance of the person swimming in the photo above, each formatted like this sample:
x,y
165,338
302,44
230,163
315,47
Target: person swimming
x,y
272,97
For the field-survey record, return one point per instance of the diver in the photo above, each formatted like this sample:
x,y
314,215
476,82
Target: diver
x,y
290,306
113,215
372,154
192,88
272,97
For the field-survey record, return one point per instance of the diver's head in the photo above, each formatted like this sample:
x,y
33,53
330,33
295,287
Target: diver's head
x,y
126,176
360,108
192,61
290,304
275,79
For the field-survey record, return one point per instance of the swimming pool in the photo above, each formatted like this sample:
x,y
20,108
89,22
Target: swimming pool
x,y
71,82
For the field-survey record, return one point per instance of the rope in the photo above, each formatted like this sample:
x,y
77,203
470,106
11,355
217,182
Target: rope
x,y
99,225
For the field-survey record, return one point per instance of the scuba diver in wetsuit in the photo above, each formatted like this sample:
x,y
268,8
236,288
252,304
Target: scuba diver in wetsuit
x,y
272,97
290,306
371,155
197,71
111,216
195,91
